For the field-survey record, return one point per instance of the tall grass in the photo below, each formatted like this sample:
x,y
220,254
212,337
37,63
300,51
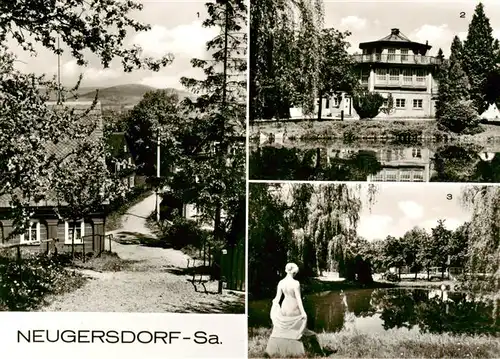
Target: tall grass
x,y
390,344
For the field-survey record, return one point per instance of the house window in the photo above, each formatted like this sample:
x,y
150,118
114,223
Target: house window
x,y
31,234
407,76
400,103
327,105
392,55
394,75
78,229
416,153
420,75
417,103
381,74
404,55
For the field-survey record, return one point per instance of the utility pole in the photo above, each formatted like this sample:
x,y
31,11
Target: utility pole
x,y
58,73
218,212
158,177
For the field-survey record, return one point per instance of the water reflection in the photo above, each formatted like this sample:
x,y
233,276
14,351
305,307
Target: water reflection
x,y
376,162
393,309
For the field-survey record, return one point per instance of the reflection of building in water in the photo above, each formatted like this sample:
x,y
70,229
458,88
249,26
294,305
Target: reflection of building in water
x,y
399,164
403,165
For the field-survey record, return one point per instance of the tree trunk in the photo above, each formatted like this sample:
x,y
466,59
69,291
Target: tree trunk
x,y
399,273
320,103
428,274
416,274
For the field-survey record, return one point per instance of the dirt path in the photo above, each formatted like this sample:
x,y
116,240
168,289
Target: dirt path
x,y
153,283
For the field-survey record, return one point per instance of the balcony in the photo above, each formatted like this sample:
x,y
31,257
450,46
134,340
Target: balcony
x,y
400,83
397,59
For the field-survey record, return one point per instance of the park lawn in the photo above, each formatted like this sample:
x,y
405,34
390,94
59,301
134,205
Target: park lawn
x,y
352,344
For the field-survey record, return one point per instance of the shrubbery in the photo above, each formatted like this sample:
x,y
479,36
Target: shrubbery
x,y
460,117
368,104
24,284
182,233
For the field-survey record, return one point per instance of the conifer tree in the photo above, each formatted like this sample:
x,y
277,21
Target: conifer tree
x,y
212,175
479,56
456,50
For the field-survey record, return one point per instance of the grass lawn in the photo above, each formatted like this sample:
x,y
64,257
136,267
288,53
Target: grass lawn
x,y
352,344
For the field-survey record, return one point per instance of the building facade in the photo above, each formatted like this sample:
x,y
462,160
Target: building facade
x,y
398,66
45,223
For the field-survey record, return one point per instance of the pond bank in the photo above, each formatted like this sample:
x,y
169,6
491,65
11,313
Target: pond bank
x,y
419,130
352,344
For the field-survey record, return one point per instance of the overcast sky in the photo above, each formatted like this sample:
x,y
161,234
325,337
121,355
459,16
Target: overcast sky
x,y
436,21
402,206
176,28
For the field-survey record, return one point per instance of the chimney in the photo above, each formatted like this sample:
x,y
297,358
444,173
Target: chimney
x,y
395,31
427,42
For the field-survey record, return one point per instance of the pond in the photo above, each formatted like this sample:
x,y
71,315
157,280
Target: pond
x,y
379,310
375,161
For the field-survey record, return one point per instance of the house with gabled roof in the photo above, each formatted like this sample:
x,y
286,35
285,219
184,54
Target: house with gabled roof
x,y
45,222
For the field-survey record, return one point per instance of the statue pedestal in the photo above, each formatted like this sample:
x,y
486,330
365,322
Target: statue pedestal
x,y
289,348
285,348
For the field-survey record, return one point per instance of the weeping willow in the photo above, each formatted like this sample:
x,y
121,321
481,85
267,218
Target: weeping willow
x,y
284,55
328,216
484,237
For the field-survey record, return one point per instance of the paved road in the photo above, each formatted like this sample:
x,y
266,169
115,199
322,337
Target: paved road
x,y
152,284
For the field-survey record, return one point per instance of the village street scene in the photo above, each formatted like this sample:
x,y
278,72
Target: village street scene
x,y
350,92
399,270
122,156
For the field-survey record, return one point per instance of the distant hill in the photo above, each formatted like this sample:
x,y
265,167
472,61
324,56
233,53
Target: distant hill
x,y
124,95
121,96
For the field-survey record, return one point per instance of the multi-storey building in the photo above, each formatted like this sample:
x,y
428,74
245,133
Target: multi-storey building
x,y
395,65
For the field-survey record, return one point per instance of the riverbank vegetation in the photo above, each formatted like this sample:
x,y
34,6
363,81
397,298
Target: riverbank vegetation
x,y
352,344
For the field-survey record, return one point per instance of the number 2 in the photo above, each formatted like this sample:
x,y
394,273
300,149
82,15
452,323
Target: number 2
x,y
462,15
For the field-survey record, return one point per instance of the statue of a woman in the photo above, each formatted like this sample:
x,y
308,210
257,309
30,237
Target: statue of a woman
x,y
289,319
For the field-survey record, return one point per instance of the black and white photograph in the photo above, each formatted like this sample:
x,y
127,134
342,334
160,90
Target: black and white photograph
x,y
122,156
360,270
349,91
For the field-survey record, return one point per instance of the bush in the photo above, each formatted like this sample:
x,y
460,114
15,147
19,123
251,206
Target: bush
x,y
367,105
24,284
459,117
391,277
182,233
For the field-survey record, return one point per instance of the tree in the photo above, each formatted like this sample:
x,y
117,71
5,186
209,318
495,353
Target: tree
x,y
368,104
336,67
82,184
412,241
456,50
479,56
212,175
97,27
484,247
157,117
393,253
441,237
285,56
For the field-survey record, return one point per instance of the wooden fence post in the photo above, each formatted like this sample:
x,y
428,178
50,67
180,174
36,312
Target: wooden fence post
x,y
83,249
